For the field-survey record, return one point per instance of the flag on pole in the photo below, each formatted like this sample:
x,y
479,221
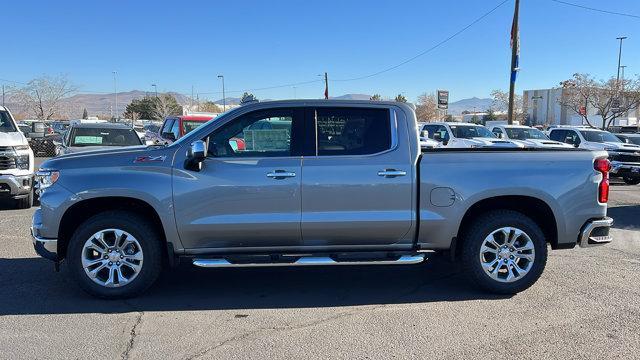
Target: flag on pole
x,y
515,41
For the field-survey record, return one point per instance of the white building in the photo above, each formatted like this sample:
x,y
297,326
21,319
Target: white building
x,y
542,107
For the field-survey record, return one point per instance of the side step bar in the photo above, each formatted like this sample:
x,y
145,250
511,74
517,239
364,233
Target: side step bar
x,y
310,261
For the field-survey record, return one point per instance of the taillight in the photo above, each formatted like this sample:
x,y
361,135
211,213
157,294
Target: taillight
x,y
603,166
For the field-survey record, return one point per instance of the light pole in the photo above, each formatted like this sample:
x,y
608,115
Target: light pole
x,y
155,88
115,91
224,98
613,121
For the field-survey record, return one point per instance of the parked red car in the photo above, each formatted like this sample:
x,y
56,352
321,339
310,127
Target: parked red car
x,y
175,127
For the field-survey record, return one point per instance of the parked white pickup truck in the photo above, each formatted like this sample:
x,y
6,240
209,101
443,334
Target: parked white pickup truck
x,y
465,136
16,162
527,136
625,158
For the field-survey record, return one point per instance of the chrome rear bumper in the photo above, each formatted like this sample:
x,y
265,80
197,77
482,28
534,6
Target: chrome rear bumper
x,y
596,232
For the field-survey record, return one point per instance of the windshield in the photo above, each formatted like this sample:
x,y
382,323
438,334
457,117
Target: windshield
x,y
633,139
6,125
152,128
104,137
599,136
190,125
525,133
467,132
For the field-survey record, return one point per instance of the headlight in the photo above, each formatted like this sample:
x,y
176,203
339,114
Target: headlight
x,y
22,157
46,178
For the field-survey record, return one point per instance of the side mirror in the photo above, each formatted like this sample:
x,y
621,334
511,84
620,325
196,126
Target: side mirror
x,y
196,155
169,136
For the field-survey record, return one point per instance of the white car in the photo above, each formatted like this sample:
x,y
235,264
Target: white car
x,y
625,158
16,162
465,135
527,136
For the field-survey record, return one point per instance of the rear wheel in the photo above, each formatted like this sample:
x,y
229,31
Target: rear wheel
x,y
504,252
631,180
115,254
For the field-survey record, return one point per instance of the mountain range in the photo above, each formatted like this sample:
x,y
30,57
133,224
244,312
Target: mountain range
x,y
103,104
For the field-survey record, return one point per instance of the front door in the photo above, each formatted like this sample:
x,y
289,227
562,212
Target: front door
x,y
357,191
247,194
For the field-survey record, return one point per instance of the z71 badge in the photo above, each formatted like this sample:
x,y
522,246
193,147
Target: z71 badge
x,y
148,159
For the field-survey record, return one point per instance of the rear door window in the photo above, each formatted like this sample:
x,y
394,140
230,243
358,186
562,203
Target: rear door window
x,y
352,131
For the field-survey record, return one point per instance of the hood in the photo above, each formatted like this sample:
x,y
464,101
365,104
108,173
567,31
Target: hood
x,y
544,143
15,138
611,146
120,156
491,142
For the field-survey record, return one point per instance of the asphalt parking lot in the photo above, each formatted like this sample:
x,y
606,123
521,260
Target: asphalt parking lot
x,y
586,305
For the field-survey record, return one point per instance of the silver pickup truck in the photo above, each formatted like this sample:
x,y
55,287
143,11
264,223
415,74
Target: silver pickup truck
x,y
315,182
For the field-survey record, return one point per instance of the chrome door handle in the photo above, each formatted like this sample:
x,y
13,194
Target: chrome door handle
x,y
280,174
392,173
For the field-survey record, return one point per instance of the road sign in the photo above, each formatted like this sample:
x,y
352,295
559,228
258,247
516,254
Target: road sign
x,y
443,99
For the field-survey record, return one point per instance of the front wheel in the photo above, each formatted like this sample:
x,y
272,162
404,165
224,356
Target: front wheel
x,y
115,254
504,252
631,180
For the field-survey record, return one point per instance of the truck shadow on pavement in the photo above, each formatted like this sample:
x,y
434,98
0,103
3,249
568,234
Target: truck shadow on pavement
x,y
29,286
625,217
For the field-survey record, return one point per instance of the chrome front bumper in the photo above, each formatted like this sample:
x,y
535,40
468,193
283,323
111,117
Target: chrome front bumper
x,y
18,185
596,232
617,167
47,248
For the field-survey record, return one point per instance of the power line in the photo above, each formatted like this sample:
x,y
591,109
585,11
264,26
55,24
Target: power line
x,y
598,10
451,37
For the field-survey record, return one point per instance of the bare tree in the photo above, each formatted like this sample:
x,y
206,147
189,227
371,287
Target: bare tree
x,y
166,105
44,97
501,103
611,99
427,107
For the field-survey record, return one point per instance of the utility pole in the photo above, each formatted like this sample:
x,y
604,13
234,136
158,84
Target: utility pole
x,y
156,89
224,98
613,120
326,86
515,49
191,100
115,91
3,95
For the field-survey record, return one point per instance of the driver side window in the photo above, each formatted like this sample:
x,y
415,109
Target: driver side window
x,y
258,134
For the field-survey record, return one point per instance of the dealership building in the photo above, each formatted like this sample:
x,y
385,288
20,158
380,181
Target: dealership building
x,y
542,107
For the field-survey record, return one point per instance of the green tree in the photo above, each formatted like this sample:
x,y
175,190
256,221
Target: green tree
x,y
489,116
375,97
144,107
401,98
85,114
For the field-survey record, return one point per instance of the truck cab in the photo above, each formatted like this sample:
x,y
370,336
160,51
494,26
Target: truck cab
x,y
16,162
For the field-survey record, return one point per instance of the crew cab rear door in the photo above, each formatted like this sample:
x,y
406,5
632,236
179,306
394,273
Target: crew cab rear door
x,y
357,185
247,194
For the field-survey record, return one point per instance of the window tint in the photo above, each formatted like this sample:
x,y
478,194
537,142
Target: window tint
x,y
175,129
352,131
558,135
5,122
258,134
599,136
167,126
437,132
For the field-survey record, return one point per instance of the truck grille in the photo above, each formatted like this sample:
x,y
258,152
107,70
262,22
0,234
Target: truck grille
x,y
7,162
626,158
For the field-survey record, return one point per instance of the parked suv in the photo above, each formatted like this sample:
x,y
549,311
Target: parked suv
x,y
527,136
16,162
624,157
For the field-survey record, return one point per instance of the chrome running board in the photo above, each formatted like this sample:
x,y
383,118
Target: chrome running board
x,y
310,261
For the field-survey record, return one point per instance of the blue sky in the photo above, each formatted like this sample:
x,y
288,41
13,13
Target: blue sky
x,y
258,44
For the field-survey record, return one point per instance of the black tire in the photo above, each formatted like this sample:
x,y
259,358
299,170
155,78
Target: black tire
x,y
25,202
473,238
631,180
150,242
